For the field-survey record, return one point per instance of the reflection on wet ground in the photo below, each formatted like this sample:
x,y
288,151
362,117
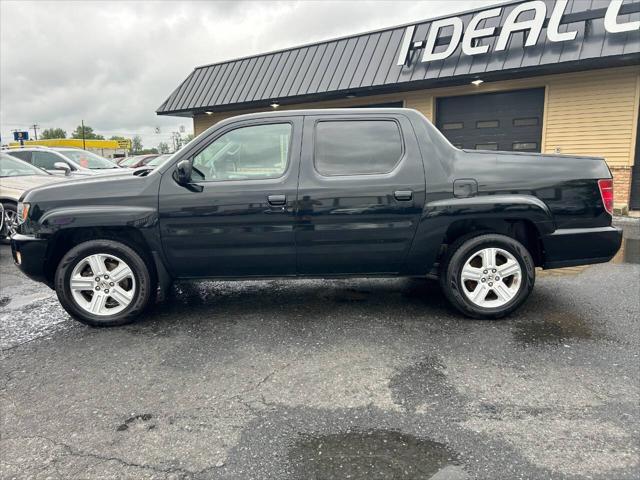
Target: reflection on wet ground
x,y
420,384
555,328
375,454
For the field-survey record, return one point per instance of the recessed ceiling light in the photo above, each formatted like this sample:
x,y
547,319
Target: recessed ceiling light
x,y
477,82
351,95
275,105
209,113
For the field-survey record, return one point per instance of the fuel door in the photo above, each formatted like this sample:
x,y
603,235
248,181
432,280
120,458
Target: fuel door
x,y
465,188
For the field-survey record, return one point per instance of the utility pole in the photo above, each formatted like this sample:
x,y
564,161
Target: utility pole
x,y
35,130
84,145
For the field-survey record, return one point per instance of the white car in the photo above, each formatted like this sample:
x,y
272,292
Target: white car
x,y
65,161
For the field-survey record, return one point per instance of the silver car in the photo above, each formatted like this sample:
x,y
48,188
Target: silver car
x,y
16,177
73,162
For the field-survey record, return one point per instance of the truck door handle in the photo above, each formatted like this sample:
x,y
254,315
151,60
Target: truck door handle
x,y
277,199
403,195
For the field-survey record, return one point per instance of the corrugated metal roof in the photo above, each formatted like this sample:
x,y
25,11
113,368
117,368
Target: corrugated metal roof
x,y
368,61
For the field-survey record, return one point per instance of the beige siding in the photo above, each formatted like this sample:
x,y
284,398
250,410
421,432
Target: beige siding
x,y
593,113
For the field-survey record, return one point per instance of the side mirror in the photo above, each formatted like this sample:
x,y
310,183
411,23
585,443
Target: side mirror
x,y
182,175
62,166
183,172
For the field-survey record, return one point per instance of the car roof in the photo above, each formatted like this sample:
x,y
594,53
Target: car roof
x,y
20,149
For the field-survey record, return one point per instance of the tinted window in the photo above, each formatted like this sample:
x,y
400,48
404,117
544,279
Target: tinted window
x,y
22,155
487,124
46,160
487,146
529,146
247,153
360,147
525,122
88,160
12,167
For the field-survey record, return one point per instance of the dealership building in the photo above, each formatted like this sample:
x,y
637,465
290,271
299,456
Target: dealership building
x,y
530,76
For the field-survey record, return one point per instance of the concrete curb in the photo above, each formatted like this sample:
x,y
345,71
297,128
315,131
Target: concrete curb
x,y
618,220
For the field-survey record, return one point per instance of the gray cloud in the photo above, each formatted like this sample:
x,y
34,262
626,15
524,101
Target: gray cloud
x,y
113,63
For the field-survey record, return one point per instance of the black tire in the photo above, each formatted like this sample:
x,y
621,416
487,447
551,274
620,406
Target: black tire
x,y
144,284
9,208
461,251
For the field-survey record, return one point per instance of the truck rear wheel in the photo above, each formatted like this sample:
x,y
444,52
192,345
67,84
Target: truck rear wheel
x,y
488,276
103,283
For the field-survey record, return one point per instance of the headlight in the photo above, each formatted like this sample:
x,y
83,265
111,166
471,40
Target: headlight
x,y
23,211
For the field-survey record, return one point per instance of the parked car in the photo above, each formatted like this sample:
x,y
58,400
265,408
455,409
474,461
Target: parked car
x,y
159,160
65,161
362,192
16,177
136,161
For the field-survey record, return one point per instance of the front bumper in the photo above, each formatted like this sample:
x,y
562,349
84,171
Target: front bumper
x,y
580,246
29,254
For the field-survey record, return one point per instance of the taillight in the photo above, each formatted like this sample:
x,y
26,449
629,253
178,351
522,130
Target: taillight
x,y
606,192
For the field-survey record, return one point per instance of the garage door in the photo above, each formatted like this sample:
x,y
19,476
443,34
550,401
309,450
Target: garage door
x,y
493,121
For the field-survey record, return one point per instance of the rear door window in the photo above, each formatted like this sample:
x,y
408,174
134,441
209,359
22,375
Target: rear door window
x,y
46,160
357,147
22,155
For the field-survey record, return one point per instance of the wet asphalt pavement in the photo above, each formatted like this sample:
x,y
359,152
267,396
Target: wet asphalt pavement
x,y
360,379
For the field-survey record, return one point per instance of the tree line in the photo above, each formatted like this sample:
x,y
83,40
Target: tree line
x,y
89,134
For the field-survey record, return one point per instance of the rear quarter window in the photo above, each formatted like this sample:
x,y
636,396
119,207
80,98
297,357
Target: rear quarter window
x,y
357,147
26,156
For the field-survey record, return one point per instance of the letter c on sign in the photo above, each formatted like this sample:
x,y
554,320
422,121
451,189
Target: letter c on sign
x,y
611,24
454,22
534,25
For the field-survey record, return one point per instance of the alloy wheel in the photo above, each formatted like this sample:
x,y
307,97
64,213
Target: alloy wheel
x,y
102,284
491,277
10,222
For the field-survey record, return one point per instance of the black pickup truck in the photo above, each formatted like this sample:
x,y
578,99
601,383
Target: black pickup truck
x,y
318,193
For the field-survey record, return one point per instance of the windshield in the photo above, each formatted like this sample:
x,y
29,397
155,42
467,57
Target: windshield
x,y
12,167
158,160
88,160
129,161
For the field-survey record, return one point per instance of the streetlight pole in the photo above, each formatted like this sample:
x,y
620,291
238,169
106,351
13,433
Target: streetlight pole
x,y
84,144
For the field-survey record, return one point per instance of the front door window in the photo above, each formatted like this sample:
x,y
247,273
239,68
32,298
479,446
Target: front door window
x,y
255,152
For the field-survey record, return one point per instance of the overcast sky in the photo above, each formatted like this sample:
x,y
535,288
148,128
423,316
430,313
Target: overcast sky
x,y
113,63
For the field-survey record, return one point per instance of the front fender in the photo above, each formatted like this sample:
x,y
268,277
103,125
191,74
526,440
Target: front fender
x,y
96,216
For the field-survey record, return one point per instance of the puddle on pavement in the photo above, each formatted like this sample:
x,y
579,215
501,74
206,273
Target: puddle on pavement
x,y
142,417
556,328
419,384
372,455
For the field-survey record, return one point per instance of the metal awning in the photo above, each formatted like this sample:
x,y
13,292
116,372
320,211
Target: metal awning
x,y
369,62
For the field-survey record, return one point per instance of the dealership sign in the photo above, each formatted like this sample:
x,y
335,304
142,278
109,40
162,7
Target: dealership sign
x,y
532,28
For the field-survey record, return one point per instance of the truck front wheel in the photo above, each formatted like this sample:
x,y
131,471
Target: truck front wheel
x,y
103,283
488,276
